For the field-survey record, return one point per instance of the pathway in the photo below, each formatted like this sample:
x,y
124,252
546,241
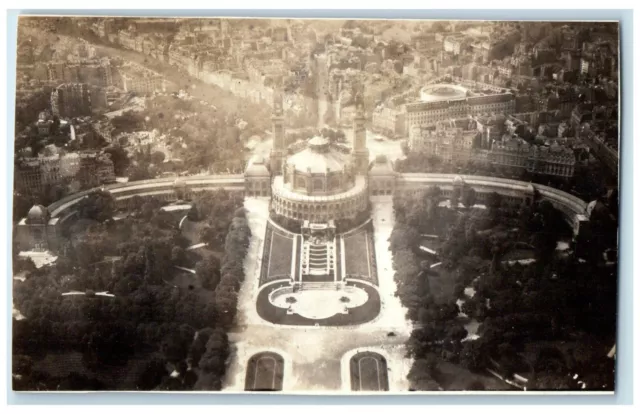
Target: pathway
x,y
196,246
185,269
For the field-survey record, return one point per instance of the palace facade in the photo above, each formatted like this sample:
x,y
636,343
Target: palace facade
x,y
322,180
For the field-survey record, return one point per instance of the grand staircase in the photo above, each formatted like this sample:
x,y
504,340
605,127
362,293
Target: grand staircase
x,y
318,266
318,259
318,262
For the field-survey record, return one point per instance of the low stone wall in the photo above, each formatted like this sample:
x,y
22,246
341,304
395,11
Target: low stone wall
x,y
171,189
513,190
168,189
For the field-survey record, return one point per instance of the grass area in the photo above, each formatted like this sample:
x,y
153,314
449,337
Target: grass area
x,y
368,372
280,258
277,256
357,255
265,372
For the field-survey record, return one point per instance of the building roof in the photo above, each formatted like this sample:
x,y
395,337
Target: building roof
x,y
381,166
256,169
318,157
439,92
37,214
283,191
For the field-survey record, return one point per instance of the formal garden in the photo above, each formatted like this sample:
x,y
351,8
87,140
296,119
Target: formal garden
x,y
355,303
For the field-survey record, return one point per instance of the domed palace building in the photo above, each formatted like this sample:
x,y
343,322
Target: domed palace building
x,y
321,180
319,264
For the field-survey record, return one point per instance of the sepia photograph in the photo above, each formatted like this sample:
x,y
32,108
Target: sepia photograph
x,y
315,206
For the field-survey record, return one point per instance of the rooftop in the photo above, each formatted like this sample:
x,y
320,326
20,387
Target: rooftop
x,y
318,157
37,214
282,190
256,168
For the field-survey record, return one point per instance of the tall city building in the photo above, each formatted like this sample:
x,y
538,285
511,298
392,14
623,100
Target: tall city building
x,y
360,151
71,100
278,151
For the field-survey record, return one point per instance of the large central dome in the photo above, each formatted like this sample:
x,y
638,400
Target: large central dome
x,y
319,169
318,158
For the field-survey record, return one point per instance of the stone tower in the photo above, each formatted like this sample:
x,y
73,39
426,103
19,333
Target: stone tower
x,y
360,151
277,119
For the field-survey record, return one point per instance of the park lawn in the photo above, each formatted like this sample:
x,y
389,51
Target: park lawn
x,y
357,255
453,377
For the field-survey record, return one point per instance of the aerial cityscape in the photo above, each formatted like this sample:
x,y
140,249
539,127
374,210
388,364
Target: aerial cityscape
x,y
325,206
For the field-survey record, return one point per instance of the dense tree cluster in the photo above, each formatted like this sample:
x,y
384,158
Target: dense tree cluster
x,y
202,136
174,329
213,208
518,306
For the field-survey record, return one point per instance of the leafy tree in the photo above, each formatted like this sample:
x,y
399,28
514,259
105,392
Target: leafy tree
x,y
152,375
469,197
213,361
473,355
171,384
119,157
157,157
420,377
552,382
208,272
494,201
22,365
177,255
99,206
193,214
475,385
79,382
456,193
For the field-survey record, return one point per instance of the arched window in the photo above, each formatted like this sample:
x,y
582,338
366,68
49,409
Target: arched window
x,y
318,185
301,182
